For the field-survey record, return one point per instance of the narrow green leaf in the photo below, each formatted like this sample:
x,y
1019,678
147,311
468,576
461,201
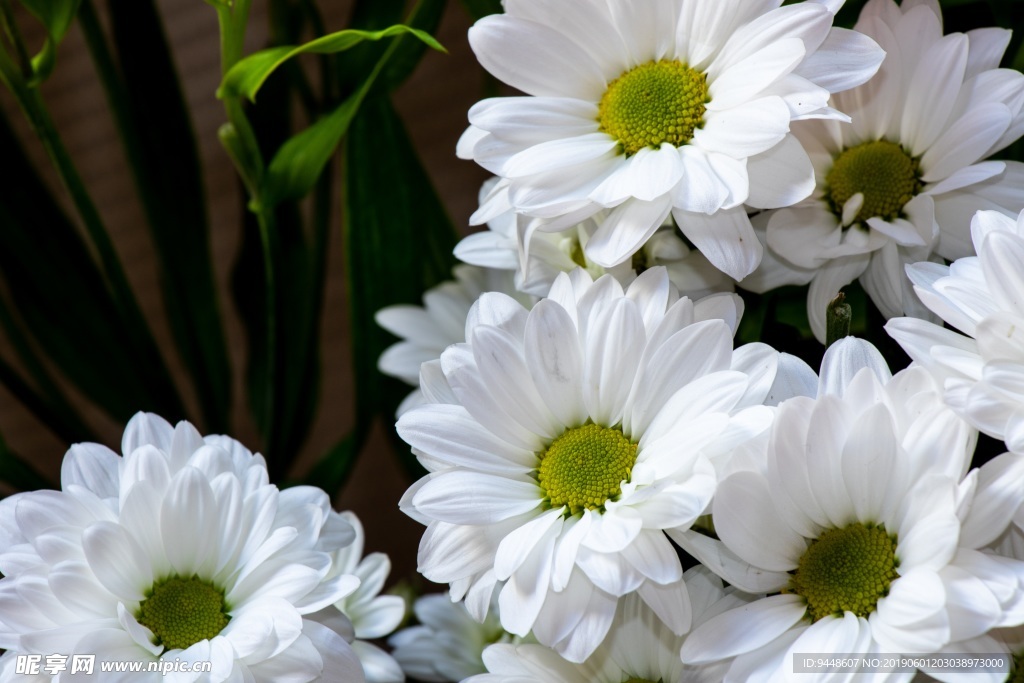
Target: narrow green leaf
x,y
398,243
479,9
145,97
247,76
55,15
299,162
426,17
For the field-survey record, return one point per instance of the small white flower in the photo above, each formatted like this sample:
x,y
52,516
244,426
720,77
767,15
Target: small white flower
x,y
447,645
647,108
429,329
372,615
550,253
639,647
983,297
181,549
562,441
865,522
899,183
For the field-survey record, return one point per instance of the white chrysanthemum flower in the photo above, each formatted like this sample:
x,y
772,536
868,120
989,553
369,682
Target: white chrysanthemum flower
x,y
864,521
372,615
983,297
429,329
551,253
180,550
898,184
448,643
639,647
562,441
652,107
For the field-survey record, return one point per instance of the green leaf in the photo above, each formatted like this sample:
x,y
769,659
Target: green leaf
x,y
299,162
398,242
57,17
479,9
426,17
247,76
145,97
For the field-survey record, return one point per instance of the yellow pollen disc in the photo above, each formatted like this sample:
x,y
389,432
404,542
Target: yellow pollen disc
x,y
654,103
640,680
846,570
886,175
584,467
182,612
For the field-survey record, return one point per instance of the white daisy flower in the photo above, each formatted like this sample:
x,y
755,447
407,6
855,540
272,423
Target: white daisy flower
x,y
180,550
897,184
864,526
372,615
429,329
639,647
562,441
448,643
652,107
983,297
551,253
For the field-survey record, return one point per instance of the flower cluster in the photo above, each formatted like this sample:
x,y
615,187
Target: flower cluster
x,y
623,483
584,447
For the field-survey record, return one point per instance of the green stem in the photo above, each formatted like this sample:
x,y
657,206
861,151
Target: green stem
x,y
249,162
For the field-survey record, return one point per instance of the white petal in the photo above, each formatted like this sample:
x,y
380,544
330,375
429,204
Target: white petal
x,y
743,629
726,238
117,561
747,523
781,176
933,91
745,130
626,229
535,58
845,60
471,498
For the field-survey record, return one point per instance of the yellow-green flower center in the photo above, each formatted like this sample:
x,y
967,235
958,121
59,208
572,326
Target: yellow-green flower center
x,y
584,467
846,570
886,175
182,612
654,103
640,680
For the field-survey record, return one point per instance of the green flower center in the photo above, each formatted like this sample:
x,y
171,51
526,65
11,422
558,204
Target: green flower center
x,y
182,612
584,467
654,103
846,570
886,175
